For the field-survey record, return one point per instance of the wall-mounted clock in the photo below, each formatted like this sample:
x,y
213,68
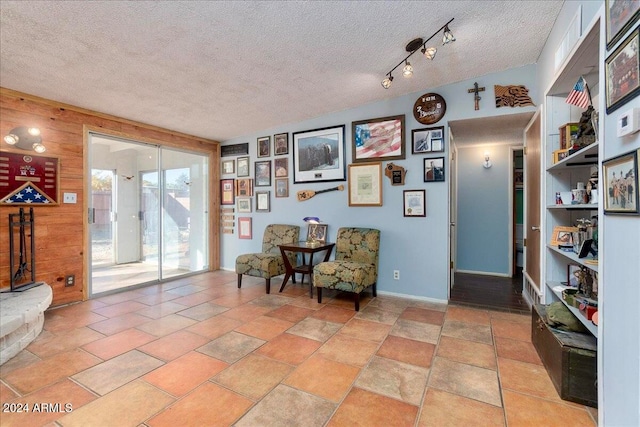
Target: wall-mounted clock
x,y
429,108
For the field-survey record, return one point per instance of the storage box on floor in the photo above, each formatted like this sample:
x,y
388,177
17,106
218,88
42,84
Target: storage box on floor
x,y
569,357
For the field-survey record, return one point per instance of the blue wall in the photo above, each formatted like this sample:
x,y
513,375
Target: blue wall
x,y
418,247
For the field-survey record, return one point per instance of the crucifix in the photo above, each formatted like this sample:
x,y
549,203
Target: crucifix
x,y
475,89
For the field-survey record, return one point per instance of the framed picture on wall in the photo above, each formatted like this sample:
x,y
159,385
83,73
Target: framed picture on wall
x,y
318,155
29,180
263,173
620,16
378,139
264,146
228,166
282,187
263,202
365,184
414,203
622,73
434,169
427,140
281,167
621,184
243,166
244,228
281,144
244,187
244,204
227,193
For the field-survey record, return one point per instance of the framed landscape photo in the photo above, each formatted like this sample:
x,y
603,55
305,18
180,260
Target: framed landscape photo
x,y
620,16
281,144
228,166
318,155
243,204
263,201
621,184
263,173
264,146
434,169
414,203
378,139
427,140
243,166
227,196
244,228
281,167
622,73
282,187
365,184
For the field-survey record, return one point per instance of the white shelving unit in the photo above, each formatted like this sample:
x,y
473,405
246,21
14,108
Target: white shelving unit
x,y
564,175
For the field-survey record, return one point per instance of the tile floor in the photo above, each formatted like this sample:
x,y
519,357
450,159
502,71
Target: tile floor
x,y
200,352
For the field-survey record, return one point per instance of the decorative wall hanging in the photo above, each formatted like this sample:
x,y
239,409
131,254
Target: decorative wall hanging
x,y
414,203
227,226
228,166
243,166
318,155
244,187
281,167
243,204
29,179
434,169
395,173
263,201
476,97
620,175
244,228
621,73
307,194
234,149
620,16
263,173
378,139
429,108
227,192
365,184
427,140
512,96
282,187
264,146
281,144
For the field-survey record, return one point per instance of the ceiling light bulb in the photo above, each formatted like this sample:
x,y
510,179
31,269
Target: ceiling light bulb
x,y
34,131
447,36
386,83
39,148
429,52
407,71
11,139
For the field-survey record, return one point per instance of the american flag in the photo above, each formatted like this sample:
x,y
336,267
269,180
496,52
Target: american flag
x,y
28,193
379,139
580,96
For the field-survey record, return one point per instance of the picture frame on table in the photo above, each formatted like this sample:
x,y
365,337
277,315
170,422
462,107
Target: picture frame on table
x,y
562,236
263,173
622,73
281,167
317,232
228,166
263,201
227,192
318,155
264,146
427,140
414,203
243,164
620,184
378,139
620,16
434,169
243,204
365,184
281,144
282,187
244,187
244,228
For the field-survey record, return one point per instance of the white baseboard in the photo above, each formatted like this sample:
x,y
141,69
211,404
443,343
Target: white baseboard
x,y
413,297
483,273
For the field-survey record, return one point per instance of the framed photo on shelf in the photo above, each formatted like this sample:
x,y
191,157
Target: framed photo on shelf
x,y
620,187
243,204
263,173
318,155
562,236
263,202
378,139
622,73
244,227
227,193
620,16
434,169
560,155
281,167
281,144
414,203
317,232
282,187
365,184
243,166
264,146
427,140
228,166
244,187
572,278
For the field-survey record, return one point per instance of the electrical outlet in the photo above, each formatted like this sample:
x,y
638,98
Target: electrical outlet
x,y
396,274
70,280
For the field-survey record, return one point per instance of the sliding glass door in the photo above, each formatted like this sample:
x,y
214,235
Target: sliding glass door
x,y
148,213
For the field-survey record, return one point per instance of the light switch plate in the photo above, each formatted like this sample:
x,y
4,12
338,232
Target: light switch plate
x,y
70,198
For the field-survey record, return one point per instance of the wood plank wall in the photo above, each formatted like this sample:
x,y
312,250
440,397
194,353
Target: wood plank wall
x,y
61,231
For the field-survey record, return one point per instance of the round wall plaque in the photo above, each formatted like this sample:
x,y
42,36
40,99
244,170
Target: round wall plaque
x,y
429,108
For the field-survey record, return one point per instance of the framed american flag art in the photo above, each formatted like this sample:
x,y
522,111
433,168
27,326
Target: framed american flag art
x,y
27,179
378,139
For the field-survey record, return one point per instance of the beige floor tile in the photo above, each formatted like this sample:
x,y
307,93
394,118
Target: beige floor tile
x,y
214,327
445,409
289,348
469,352
174,345
119,323
356,410
161,310
120,308
129,405
365,330
517,350
465,380
315,329
114,345
408,351
246,312
63,341
6,393
79,318
346,349
231,347
394,379
523,410
156,298
416,331
254,376
265,327
334,314
377,314
526,378
467,331
20,360
423,315
323,377
290,313
470,315
166,325
271,301
395,305
520,331
203,311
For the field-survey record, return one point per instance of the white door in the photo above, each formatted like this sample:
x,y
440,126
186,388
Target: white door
x,y
453,213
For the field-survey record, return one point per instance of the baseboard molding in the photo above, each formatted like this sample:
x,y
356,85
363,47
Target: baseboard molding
x,y
483,273
413,297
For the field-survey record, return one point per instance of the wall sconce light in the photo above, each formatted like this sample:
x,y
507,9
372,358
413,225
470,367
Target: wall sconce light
x,y
413,46
25,138
487,160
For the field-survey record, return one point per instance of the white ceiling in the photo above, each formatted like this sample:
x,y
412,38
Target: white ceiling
x,y
224,69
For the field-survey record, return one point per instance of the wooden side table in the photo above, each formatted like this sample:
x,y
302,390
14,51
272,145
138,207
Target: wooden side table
x,y
304,268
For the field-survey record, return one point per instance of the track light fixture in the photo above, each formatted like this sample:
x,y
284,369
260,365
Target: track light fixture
x,y
413,46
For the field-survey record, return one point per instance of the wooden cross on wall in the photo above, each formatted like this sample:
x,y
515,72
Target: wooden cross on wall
x,y
475,89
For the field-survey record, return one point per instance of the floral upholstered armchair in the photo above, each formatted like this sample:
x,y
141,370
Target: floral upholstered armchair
x,y
355,267
268,263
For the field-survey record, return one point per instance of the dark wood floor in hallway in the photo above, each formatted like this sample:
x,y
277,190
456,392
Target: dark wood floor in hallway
x,y
498,293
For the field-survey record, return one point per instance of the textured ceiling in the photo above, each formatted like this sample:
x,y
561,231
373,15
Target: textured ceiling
x,y
223,69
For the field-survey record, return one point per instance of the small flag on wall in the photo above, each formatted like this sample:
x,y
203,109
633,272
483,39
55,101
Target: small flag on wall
x,y
580,95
